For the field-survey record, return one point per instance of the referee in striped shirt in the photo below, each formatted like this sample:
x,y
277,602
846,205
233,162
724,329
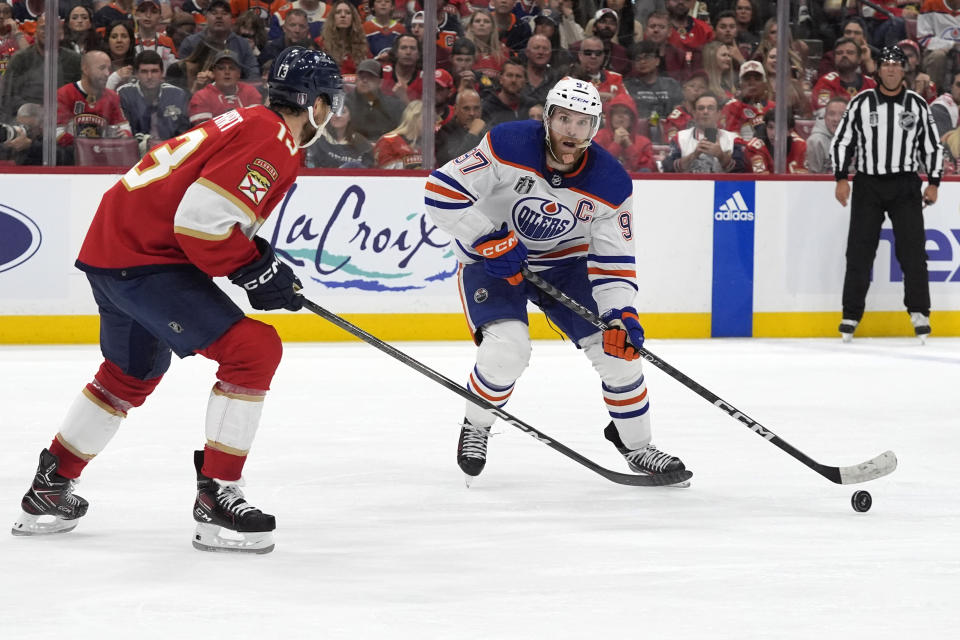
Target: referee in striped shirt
x,y
892,135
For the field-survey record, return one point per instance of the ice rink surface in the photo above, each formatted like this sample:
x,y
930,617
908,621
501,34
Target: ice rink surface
x,y
378,537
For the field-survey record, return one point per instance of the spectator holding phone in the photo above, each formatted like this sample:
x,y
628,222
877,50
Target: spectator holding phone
x,y
705,148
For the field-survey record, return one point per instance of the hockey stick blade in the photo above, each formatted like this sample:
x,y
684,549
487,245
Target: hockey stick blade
x,y
874,468
614,476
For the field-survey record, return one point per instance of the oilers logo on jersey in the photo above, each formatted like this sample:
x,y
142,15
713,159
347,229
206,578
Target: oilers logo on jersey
x,y
542,219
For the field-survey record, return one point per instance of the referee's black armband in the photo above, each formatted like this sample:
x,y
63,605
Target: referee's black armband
x,y
839,176
934,182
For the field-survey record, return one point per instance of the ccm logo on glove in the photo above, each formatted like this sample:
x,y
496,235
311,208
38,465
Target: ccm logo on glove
x,y
269,283
504,255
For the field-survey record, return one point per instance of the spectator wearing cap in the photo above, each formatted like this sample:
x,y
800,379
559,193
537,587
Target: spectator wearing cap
x,y
147,18
682,116
317,13
915,77
343,37
115,11
615,57
444,90
296,32
759,150
655,94
745,114
620,136
340,146
511,31
380,27
225,93
540,75
464,131
688,34
372,112
181,26
491,52
705,148
590,68
156,111
509,103
441,46
847,80
218,33
820,139
628,30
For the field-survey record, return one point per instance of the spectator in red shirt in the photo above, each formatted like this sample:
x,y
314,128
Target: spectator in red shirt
x,y
759,150
405,70
846,81
225,93
343,37
744,115
591,56
620,138
687,34
86,108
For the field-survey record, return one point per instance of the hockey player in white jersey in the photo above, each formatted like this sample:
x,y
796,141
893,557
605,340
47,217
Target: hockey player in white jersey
x,y
542,194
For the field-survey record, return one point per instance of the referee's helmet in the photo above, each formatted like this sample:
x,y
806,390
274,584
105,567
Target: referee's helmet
x,y
893,53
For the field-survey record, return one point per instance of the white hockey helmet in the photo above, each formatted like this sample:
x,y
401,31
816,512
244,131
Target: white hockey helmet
x,y
577,95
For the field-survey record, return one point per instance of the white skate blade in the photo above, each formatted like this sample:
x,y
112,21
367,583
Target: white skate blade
x,y
923,338
207,537
30,525
468,479
847,337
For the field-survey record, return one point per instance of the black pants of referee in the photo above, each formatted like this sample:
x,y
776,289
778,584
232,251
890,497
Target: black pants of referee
x,y
898,196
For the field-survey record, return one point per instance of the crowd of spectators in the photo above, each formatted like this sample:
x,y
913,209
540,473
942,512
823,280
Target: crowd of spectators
x,y
688,86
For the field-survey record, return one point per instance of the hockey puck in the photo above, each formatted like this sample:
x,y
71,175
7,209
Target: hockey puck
x,y
861,501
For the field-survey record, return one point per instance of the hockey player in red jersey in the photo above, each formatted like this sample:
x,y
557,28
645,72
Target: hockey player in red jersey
x,y
546,195
187,212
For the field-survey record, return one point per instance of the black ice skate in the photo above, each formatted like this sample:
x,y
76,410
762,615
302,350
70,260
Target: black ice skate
x,y
49,506
221,506
921,325
647,460
847,327
472,450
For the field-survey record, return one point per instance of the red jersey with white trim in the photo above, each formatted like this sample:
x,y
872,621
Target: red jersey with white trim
x,y
392,151
197,199
691,38
760,160
561,218
832,85
76,116
210,101
678,120
742,118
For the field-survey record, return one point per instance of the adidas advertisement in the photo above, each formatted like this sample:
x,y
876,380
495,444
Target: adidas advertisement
x,y
734,206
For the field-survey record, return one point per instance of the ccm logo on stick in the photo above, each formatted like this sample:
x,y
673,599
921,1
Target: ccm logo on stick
x,y
767,435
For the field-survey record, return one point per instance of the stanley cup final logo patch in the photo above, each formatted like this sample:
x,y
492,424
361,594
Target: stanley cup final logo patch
x,y
260,177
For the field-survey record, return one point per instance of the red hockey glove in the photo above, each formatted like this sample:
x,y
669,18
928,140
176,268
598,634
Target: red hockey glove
x,y
504,255
625,335
269,283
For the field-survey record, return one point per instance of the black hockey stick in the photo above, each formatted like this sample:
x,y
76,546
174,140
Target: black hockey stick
x,y
619,478
877,467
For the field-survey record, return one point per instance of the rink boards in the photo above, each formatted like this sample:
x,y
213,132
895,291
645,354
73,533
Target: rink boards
x,y
714,258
